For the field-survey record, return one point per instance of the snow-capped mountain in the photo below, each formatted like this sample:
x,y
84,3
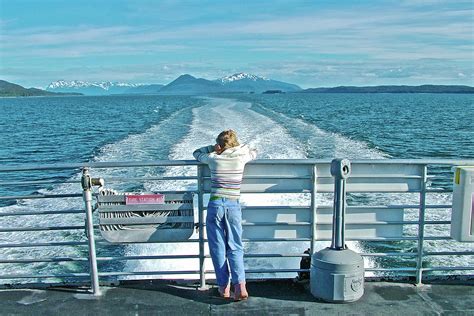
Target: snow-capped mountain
x,y
184,84
240,76
244,82
90,88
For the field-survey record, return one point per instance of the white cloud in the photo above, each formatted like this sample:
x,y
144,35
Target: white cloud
x,y
360,45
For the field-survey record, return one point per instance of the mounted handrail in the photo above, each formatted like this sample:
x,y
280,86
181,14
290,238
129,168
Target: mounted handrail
x,y
301,224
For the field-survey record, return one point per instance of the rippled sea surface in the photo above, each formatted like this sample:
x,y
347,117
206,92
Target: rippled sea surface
x,y
123,128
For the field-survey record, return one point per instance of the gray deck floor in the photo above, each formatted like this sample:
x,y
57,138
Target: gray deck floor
x,y
267,298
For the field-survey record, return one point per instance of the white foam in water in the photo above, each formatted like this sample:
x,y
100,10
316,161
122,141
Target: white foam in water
x,y
271,140
327,144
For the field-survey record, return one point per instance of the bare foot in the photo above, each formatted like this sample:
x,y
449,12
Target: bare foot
x,y
224,291
240,292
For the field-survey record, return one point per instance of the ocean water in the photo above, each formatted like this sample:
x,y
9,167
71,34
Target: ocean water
x,y
123,128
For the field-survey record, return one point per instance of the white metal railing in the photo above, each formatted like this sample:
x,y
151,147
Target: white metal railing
x,y
376,214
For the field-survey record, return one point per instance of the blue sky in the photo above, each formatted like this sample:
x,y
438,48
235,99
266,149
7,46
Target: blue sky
x,y
310,43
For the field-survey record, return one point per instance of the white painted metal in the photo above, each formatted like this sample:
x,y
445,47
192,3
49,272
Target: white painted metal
x,y
462,222
369,223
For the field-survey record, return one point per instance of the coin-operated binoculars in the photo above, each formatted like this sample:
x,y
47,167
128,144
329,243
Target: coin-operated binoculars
x,y
337,273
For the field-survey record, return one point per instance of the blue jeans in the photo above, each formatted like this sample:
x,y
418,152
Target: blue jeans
x,y
224,235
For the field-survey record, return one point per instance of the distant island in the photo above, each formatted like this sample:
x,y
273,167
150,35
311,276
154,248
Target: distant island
x,y
394,89
8,89
272,92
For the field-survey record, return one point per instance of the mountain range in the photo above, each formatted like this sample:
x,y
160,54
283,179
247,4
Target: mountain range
x,y
184,84
101,88
189,85
8,89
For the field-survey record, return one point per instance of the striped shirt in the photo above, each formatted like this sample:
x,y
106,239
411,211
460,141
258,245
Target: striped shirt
x,y
226,169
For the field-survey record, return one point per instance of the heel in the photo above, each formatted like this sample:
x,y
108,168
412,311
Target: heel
x,y
240,292
224,291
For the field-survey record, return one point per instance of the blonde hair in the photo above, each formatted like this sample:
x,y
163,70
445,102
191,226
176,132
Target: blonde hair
x,y
227,139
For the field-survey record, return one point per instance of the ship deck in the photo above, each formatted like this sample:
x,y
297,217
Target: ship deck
x,y
269,297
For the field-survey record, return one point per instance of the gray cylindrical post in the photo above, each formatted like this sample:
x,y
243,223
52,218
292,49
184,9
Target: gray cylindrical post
x,y
87,195
340,170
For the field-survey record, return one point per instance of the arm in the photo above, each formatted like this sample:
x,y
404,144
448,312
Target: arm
x,y
250,155
202,154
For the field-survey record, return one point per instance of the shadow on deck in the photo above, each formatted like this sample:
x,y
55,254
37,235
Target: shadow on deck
x,y
274,297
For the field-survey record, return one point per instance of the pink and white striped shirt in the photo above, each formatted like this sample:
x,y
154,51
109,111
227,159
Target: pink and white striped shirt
x,y
226,169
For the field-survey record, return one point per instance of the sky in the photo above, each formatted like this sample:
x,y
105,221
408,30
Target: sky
x,y
309,43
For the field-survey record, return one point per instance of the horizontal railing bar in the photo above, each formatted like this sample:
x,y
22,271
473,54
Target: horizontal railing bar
x,y
347,223
108,244
448,253
124,273
275,255
164,257
271,270
389,254
374,223
34,260
438,191
244,240
437,222
354,207
39,196
348,190
274,239
373,239
438,238
38,182
276,207
160,257
273,191
329,239
45,244
448,268
272,177
276,223
41,213
389,269
38,229
43,276
386,175
157,163
114,179
438,206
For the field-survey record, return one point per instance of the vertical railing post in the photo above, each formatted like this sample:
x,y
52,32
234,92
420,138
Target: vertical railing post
x,y
313,209
87,195
202,272
421,227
